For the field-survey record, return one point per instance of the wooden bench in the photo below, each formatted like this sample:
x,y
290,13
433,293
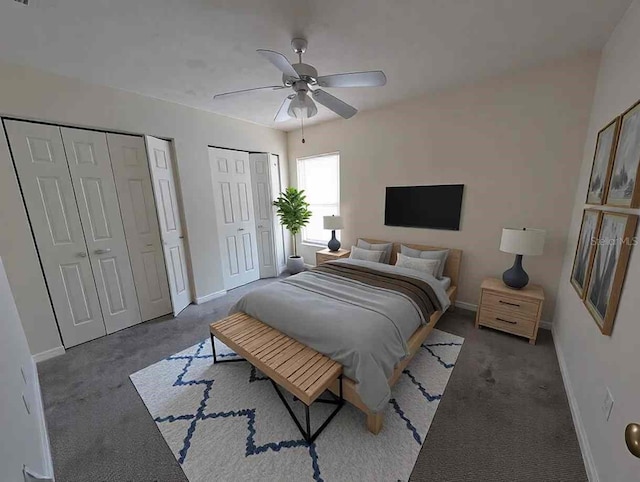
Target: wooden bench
x,y
300,370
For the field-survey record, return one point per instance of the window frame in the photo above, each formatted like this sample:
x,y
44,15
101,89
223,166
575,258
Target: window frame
x,y
299,160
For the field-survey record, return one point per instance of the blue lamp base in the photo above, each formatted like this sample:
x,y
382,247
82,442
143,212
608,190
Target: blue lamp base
x,y
334,244
516,277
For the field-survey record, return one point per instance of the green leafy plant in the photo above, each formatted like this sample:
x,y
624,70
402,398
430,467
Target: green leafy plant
x,y
293,211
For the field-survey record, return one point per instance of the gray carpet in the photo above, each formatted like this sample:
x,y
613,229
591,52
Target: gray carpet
x,y
504,415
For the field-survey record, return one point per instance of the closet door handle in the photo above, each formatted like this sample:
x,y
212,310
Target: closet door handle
x,y
260,226
102,251
81,255
507,321
240,229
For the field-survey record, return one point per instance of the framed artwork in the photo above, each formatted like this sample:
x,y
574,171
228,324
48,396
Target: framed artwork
x,y
585,251
614,242
623,186
603,162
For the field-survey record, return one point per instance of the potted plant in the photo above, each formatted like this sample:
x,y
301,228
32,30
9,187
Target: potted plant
x,y
292,209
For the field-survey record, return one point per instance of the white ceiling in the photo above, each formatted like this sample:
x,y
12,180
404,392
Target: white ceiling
x,y
187,50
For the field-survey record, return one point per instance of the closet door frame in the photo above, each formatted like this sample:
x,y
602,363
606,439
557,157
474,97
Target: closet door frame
x,y
82,256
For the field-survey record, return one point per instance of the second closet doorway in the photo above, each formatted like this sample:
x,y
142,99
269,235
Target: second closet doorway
x,y
251,240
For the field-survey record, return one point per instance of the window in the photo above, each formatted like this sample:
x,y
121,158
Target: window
x,y
319,176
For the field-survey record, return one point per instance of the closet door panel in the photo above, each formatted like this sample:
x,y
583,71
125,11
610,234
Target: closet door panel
x,y
263,208
138,208
92,177
231,178
44,178
164,188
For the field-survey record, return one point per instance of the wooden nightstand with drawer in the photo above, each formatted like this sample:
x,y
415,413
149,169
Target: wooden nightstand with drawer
x,y
514,311
325,255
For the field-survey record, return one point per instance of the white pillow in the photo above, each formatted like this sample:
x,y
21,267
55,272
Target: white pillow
x,y
429,266
386,247
366,254
439,255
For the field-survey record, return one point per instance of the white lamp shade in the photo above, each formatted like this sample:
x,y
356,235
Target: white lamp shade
x,y
332,222
527,241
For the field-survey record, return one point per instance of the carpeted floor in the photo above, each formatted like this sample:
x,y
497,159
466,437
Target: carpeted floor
x,y
504,415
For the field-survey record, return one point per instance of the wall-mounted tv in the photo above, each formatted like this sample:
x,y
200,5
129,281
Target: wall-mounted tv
x,y
435,207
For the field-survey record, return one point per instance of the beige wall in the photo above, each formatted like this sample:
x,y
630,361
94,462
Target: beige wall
x,y
32,94
592,361
515,141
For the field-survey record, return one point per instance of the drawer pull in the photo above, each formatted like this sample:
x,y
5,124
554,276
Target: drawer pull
x,y
507,321
507,303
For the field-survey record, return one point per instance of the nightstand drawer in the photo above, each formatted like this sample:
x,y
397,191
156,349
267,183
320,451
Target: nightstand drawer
x,y
512,324
509,305
321,258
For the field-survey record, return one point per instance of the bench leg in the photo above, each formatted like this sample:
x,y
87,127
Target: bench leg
x,y
215,356
374,422
308,436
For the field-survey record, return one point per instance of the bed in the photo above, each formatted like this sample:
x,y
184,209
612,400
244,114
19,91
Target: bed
x,y
360,318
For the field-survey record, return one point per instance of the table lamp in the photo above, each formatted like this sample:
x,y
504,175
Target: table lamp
x,y
520,242
333,223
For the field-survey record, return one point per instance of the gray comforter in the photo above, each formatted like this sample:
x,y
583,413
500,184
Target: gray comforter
x,y
364,328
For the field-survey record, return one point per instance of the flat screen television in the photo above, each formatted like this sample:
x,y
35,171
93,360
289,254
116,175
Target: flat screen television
x,y
435,207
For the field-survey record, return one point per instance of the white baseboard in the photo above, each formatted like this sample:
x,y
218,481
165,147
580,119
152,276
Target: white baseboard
x,y
585,448
544,324
211,296
46,355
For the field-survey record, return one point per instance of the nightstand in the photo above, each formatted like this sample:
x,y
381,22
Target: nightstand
x,y
326,255
514,311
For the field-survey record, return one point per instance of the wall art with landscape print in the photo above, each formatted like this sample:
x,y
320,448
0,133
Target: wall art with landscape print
x,y
603,162
613,246
623,187
585,250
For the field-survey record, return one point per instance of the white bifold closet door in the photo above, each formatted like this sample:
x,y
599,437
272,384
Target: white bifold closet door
x,y
135,193
264,214
235,217
171,231
45,182
95,190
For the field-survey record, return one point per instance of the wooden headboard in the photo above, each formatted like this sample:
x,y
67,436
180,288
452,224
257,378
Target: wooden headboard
x,y
451,267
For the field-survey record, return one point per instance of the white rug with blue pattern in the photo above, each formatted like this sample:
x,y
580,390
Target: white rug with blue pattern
x,y
225,422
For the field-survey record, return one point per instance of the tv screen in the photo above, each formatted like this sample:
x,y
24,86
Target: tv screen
x,y
436,207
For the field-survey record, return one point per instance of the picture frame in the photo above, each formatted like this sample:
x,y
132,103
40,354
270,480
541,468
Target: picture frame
x,y
585,250
624,189
602,165
616,237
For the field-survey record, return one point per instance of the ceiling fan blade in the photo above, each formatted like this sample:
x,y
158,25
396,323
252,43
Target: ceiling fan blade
x,y
280,62
243,91
282,114
375,78
333,103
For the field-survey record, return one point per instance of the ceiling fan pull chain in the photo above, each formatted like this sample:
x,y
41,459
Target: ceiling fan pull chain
x,y
302,123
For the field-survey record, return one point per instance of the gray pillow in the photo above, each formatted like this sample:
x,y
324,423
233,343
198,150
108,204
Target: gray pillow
x,y
366,254
439,255
386,247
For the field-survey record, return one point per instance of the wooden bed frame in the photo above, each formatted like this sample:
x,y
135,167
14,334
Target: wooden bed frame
x,y
452,270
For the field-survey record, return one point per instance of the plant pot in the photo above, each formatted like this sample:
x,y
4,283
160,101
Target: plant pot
x,y
295,264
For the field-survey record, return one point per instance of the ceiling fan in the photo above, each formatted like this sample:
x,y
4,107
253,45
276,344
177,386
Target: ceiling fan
x,y
303,79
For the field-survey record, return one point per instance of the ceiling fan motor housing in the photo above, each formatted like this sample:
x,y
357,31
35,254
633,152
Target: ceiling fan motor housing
x,y
306,72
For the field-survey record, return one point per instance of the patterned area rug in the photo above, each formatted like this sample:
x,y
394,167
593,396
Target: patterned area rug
x,y
225,422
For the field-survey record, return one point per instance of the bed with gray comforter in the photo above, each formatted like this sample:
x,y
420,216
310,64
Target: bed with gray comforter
x,y
359,313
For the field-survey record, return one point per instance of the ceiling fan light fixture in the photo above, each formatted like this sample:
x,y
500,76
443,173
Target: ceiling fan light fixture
x,y
302,107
